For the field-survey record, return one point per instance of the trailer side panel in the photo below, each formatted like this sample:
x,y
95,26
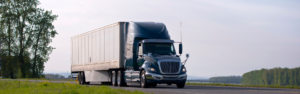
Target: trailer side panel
x,y
99,49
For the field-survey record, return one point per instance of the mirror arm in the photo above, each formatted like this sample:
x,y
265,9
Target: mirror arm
x,y
185,61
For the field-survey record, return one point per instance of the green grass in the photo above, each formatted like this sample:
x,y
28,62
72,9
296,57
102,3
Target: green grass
x,y
40,79
220,84
46,87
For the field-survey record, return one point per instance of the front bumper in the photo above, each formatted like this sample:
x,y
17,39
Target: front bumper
x,y
157,78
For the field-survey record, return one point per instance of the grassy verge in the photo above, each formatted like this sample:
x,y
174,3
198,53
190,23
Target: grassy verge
x,y
46,87
220,84
40,79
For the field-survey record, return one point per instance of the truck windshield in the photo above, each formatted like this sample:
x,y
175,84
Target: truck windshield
x,y
159,48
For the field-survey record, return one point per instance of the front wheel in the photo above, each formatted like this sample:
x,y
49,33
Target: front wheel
x,y
154,85
180,85
143,79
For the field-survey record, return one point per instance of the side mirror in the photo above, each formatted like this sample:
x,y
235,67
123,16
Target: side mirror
x,y
149,54
180,48
187,55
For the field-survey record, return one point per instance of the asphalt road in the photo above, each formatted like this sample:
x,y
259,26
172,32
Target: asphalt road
x,y
196,89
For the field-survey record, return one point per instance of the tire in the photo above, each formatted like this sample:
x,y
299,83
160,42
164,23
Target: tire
x,y
143,79
121,80
180,85
114,78
154,85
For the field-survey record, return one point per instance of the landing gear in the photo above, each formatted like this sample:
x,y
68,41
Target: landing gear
x,y
144,83
81,78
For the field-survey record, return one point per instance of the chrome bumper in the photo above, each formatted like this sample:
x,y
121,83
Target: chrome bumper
x,y
153,76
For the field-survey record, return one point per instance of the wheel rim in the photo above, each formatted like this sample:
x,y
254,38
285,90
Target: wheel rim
x,y
143,79
119,78
113,78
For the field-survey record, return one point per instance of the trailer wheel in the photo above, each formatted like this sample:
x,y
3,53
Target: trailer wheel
x,y
114,78
121,80
143,79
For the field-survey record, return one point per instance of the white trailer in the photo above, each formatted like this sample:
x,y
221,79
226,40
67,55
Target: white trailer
x,y
97,51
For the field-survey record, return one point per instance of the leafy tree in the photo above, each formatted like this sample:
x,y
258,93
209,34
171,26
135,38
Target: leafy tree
x,y
275,76
226,79
27,32
44,32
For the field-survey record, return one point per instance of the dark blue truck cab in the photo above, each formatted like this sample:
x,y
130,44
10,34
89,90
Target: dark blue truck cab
x,y
150,56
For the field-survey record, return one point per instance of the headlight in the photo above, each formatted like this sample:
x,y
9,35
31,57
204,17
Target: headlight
x,y
151,69
183,70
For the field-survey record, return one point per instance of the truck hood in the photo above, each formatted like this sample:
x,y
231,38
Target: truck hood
x,y
156,58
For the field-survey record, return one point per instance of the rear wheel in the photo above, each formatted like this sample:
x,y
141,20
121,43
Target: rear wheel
x,y
114,78
121,80
180,85
143,79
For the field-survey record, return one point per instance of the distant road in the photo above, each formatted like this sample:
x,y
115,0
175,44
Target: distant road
x,y
194,89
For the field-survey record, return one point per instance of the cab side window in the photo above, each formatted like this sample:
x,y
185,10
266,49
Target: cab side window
x,y
140,49
140,60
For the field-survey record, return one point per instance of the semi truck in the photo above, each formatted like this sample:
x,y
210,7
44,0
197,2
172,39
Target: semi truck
x,y
128,53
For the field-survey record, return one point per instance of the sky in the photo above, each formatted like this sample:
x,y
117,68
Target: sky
x,y
223,38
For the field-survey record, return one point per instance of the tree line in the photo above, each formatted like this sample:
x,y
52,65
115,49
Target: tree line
x,y
226,79
25,33
275,76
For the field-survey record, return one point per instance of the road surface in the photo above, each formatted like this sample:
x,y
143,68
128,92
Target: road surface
x,y
197,89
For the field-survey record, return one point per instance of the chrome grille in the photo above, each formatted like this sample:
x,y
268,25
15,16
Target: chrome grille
x,y
169,67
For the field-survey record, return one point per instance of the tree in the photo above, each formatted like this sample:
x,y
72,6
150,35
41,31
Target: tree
x,y
26,29
275,76
42,37
7,34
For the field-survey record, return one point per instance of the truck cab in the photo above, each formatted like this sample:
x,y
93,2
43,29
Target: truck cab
x,y
159,64
151,58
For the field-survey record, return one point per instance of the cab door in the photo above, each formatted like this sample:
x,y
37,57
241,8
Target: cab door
x,y
140,61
